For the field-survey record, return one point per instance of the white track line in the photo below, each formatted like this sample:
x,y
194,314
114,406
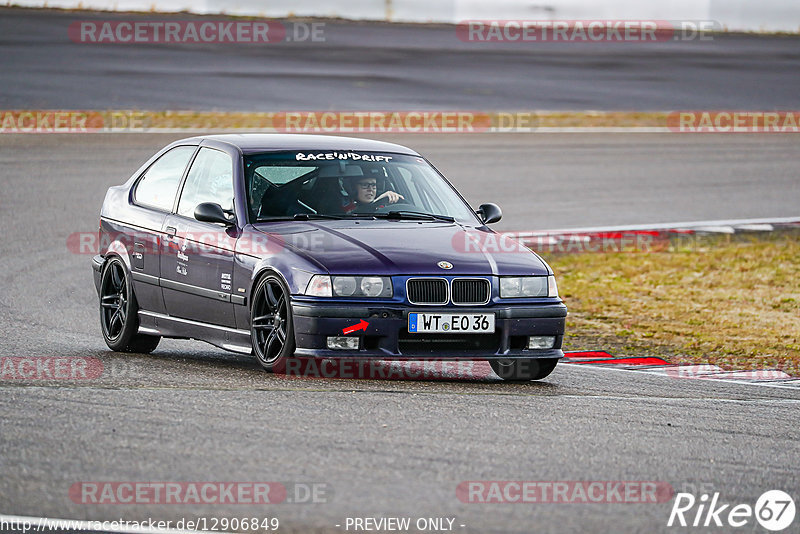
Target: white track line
x,y
652,372
666,226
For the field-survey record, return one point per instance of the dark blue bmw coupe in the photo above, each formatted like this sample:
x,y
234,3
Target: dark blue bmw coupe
x,y
308,246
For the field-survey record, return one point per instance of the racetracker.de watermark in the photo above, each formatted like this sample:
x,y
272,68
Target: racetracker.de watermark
x,y
563,492
370,369
194,32
430,121
80,121
597,242
634,241
585,31
206,492
132,121
734,121
44,368
51,121
376,122
91,243
714,372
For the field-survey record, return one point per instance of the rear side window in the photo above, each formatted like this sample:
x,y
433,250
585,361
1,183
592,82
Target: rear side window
x,y
158,186
278,175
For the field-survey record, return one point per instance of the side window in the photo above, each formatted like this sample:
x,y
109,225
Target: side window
x,y
210,180
413,193
159,185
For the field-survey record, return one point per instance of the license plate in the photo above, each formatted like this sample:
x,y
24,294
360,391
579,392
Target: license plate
x,y
450,323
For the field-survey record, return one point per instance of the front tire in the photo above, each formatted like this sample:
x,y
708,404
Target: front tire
x,y
271,324
119,318
523,370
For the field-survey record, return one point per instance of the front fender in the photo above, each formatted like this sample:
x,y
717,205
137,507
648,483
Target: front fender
x,y
97,271
295,277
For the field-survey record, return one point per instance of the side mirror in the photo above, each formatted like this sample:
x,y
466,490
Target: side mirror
x,y
211,212
490,213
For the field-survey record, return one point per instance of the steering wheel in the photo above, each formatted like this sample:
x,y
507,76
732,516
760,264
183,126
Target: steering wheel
x,y
397,206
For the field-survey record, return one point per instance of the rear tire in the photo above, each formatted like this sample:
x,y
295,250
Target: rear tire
x,y
523,370
119,319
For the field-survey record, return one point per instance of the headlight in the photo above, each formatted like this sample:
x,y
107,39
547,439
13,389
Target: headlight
x,y
322,285
344,286
372,286
510,287
528,286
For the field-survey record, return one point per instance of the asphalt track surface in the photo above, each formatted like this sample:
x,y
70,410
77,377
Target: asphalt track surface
x,y
371,66
383,448
190,412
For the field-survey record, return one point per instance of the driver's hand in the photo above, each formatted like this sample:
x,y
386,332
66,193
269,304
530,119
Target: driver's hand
x,y
391,196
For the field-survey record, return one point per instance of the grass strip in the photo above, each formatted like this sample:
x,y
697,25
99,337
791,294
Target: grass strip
x,y
731,301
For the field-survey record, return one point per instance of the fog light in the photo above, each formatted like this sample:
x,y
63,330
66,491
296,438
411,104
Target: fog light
x,y
342,343
540,342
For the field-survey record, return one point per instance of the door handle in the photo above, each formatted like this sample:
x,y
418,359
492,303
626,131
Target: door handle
x,y
171,231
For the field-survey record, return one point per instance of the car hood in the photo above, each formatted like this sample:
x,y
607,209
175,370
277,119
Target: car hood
x,y
403,247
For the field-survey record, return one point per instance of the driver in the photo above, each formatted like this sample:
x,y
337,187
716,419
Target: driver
x,y
363,191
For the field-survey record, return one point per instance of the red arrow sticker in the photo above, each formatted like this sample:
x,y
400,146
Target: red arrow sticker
x,y
362,325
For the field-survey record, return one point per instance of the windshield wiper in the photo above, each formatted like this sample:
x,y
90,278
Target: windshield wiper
x,y
309,216
417,215
400,214
301,217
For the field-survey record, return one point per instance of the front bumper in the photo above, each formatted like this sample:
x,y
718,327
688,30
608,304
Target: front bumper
x,y
387,335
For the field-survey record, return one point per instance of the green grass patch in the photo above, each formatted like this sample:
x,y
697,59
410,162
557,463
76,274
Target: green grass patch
x,y
732,302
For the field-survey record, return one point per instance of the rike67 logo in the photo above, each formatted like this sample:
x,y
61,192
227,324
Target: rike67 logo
x,y
774,510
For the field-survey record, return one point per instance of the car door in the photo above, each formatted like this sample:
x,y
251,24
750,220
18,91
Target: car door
x,y
154,196
197,257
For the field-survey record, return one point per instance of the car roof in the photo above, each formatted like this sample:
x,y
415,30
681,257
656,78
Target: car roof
x,y
251,143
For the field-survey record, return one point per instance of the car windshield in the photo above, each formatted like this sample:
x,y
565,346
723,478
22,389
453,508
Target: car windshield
x,y
331,184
